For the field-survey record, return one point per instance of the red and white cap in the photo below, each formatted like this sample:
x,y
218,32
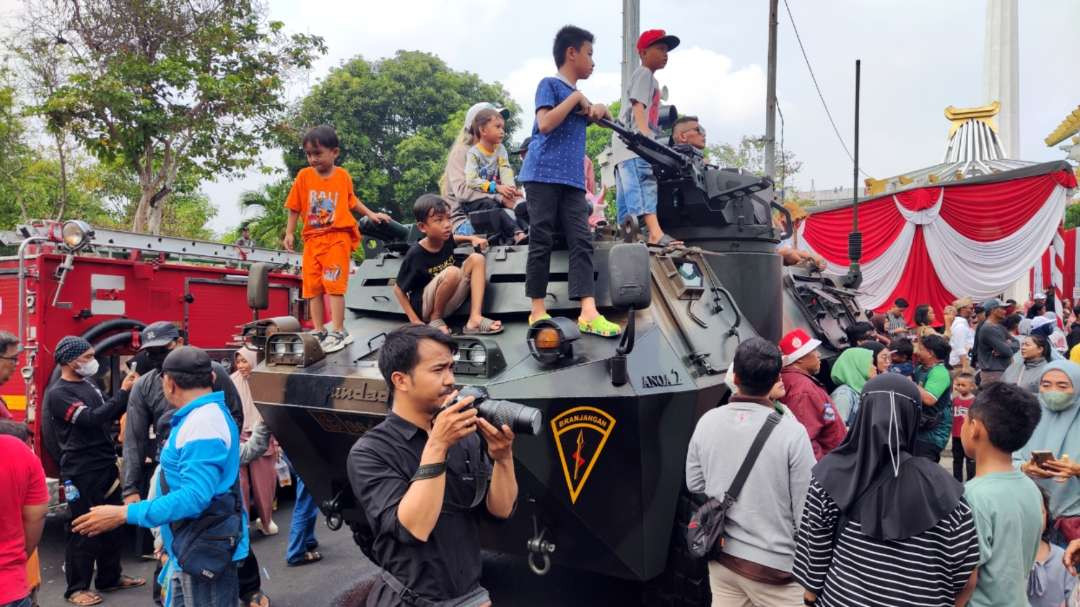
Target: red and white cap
x,y
797,344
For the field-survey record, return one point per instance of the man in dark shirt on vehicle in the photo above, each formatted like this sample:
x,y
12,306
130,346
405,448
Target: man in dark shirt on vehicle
x,y
420,477
82,420
994,347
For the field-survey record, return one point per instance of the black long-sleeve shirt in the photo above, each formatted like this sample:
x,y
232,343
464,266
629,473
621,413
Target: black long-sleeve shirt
x,y
994,347
82,418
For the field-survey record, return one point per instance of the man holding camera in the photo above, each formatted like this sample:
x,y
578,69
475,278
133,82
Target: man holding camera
x,y
422,478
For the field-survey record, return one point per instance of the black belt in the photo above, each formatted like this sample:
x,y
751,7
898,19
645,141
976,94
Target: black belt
x,y
412,599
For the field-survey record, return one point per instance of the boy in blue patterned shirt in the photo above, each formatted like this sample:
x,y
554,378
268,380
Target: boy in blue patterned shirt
x,y
554,181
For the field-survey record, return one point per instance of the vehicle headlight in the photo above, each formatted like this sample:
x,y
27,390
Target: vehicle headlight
x,y
76,234
479,357
296,349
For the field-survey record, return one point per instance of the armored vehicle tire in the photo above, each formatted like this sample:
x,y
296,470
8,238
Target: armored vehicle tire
x,y
685,580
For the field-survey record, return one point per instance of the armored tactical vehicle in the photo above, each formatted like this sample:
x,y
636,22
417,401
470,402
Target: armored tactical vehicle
x,y
602,484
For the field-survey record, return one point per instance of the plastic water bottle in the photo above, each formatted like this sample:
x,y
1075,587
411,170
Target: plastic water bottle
x,y
71,492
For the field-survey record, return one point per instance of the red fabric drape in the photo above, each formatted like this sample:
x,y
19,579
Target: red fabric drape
x,y
920,199
920,283
991,211
879,222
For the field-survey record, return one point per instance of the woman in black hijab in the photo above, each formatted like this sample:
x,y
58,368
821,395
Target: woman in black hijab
x,y
879,523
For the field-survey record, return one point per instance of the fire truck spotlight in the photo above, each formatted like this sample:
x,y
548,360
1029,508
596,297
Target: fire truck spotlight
x,y
76,234
295,349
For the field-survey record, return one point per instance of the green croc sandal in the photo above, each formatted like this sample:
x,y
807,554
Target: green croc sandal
x,y
533,321
600,326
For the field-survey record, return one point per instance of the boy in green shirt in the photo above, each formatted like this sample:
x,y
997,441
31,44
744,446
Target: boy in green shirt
x,y
1007,504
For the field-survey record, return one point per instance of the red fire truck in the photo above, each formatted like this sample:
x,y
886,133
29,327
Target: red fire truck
x,y
105,285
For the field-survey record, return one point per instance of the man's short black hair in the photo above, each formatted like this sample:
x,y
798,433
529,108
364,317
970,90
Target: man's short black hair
x,y
323,135
1011,321
7,340
901,303
684,120
858,332
17,429
400,351
191,381
937,345
1010,302
427,205
570,36
1009,412
902,346
757,365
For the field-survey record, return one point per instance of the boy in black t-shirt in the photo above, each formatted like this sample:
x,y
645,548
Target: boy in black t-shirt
x,y
429,285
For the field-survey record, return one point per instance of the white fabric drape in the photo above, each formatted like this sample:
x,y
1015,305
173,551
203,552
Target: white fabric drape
x,y
985,269
965,267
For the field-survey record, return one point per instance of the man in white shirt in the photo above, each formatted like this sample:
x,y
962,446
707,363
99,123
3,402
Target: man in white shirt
x,y
962,338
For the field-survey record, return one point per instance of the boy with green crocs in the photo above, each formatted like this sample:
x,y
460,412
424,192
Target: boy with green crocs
x,y
555,182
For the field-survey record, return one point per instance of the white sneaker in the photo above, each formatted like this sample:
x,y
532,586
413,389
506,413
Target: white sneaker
x,y
335,341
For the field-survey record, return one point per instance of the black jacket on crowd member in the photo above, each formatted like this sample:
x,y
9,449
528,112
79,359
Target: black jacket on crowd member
x,y
81,421
994,347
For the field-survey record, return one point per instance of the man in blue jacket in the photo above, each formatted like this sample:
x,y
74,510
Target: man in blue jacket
x,y
200,460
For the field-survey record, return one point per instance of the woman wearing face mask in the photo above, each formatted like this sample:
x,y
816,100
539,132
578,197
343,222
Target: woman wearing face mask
x,y
1035,353
82,422
1059,433
850,371
258,479
877,514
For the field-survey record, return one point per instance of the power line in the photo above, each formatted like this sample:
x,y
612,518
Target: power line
x,y
817,87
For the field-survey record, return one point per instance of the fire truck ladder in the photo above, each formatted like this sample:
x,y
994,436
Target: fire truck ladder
x,y
127,242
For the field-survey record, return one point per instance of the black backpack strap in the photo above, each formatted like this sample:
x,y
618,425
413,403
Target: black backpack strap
x,y
751,457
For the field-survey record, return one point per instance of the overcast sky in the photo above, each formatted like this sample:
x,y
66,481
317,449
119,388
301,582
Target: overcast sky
x,y
918,56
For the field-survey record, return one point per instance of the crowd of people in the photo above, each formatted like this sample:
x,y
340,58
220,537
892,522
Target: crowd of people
x,y
855,508
849,505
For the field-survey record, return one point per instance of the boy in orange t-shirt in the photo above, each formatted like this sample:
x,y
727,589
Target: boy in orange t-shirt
x,y
323,194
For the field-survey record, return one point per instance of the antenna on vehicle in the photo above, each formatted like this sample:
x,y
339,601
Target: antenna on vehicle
x,y
853,278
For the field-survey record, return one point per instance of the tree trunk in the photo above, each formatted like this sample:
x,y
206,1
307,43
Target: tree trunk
x,y
61,153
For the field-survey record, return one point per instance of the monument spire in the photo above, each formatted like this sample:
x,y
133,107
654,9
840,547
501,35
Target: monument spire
x,y
1001,70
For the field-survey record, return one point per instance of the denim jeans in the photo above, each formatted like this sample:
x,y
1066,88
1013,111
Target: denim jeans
x,y
635,189
187,591
302,529
23,602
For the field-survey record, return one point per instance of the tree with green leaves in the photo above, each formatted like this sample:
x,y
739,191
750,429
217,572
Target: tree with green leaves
x,y
749,154
396,119
172,91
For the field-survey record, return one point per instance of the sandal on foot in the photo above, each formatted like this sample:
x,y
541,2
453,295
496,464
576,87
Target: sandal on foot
x,y
84,598
126,582
533,321
256,599
485,328
666,241
439,324
308,558
600,326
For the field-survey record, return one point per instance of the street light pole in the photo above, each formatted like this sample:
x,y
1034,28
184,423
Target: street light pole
x,y
631,24
770,97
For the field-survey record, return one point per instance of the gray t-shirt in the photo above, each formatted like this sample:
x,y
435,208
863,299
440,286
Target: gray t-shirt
x,y
645,90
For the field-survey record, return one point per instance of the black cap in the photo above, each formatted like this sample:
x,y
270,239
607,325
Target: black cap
x,y
157,334
187,359
901,303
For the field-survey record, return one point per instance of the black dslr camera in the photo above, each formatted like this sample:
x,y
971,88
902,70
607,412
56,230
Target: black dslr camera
x,y
520,418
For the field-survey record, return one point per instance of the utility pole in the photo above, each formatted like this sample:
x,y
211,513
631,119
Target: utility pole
x,y
770,97
631,28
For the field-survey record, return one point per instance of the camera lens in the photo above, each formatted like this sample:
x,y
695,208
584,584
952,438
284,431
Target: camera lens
x,y
520,418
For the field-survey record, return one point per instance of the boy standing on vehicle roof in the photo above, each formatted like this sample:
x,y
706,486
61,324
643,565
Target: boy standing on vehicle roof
x,y
323,194
430,285
635,183
554,181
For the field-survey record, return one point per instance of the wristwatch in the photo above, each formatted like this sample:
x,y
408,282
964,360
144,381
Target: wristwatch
x,y
427,471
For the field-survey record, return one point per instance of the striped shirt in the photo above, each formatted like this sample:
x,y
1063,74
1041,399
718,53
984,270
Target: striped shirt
x,y
927,570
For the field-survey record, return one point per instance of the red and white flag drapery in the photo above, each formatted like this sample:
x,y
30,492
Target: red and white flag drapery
x,y
1058,266
934,244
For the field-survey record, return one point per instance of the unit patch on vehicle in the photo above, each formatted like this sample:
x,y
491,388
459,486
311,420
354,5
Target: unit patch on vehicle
x,y
580,435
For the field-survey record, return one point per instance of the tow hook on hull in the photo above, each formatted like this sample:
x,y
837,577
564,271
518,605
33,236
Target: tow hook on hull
x,y
332,509
540,550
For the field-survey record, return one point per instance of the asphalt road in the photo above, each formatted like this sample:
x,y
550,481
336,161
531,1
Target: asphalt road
x,y
327,583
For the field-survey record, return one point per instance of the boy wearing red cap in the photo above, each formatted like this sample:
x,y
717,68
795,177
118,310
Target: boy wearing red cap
x,y
635,184
806,396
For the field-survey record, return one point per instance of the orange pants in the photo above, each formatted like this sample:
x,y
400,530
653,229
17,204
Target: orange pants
x,y
326,264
